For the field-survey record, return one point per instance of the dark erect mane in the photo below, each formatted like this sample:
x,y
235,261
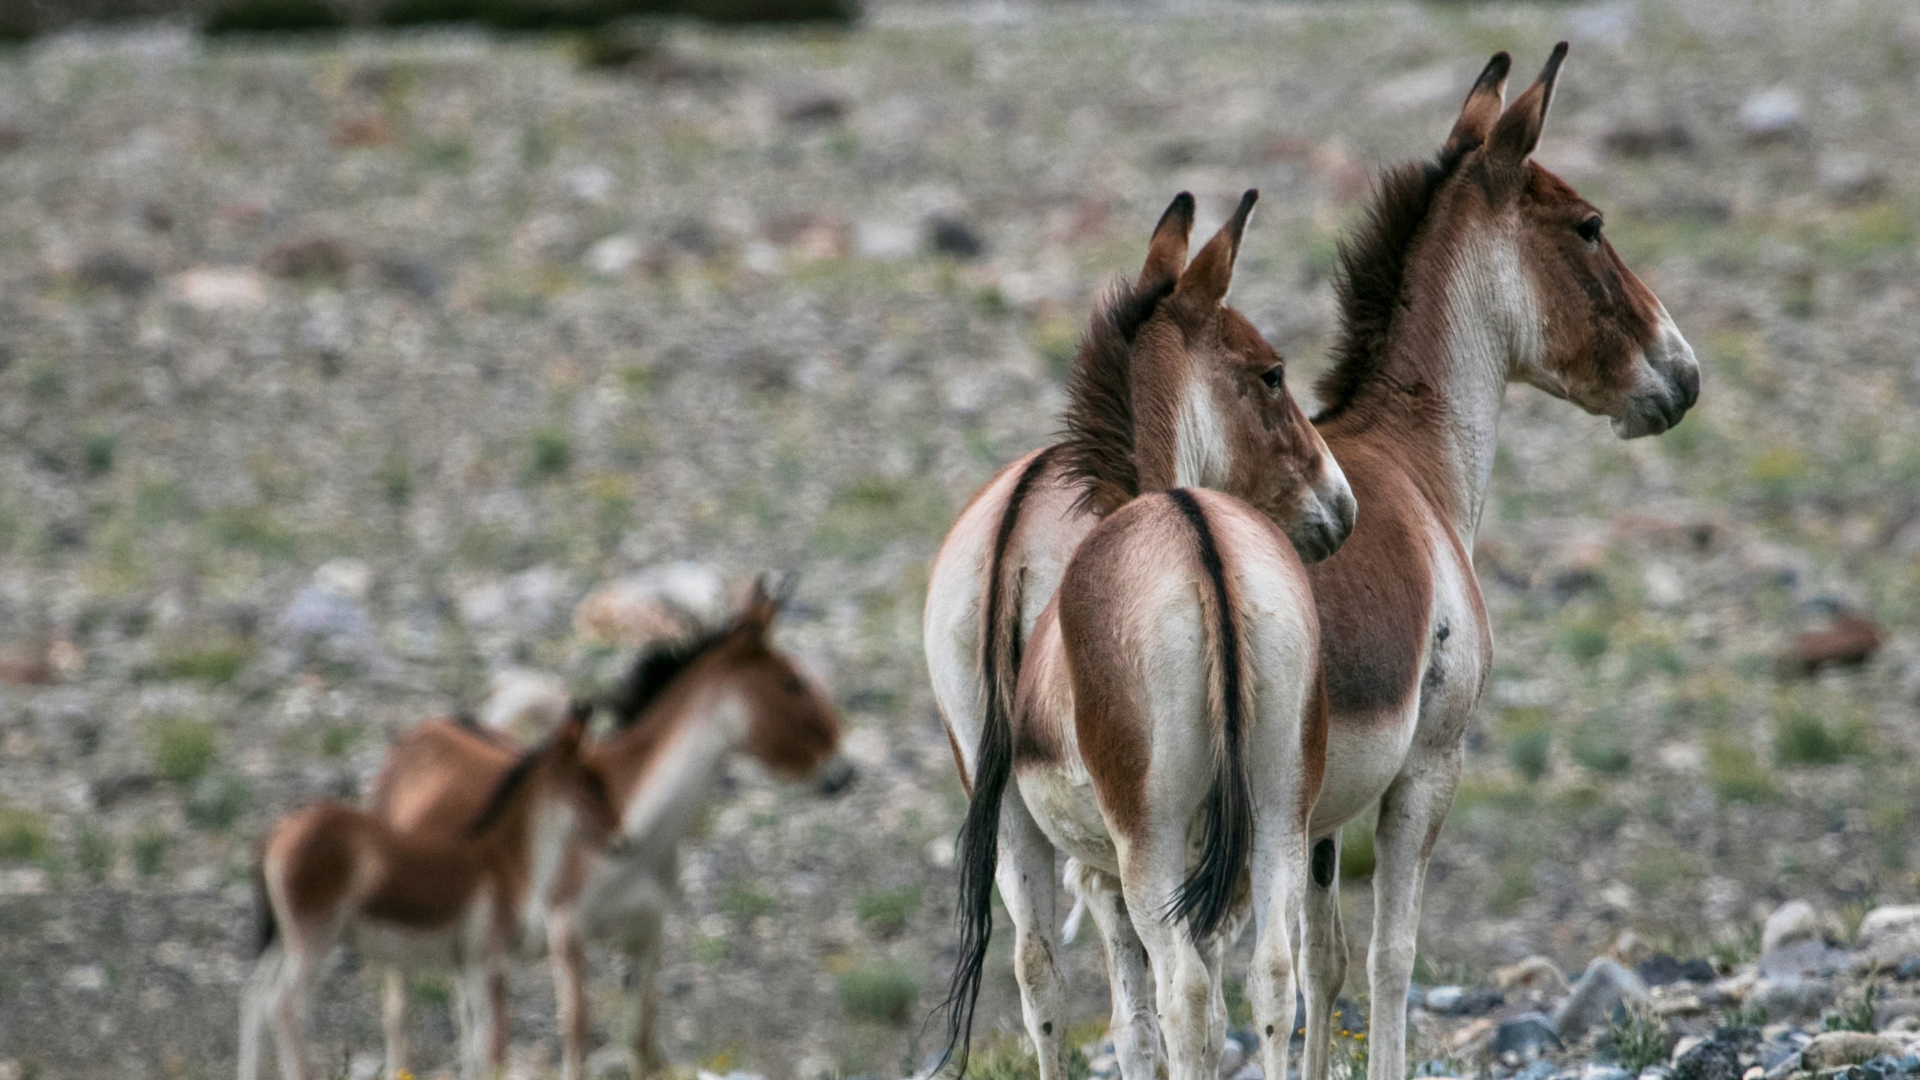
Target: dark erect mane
x,y
1097,444
653,672
1372,274
503,792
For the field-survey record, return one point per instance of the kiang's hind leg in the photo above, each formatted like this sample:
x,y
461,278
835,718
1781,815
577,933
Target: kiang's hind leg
x,y
567,956
1025,874
1134,1027
1151,872
258,1002
393,1019
1411,813
1278,865
1324,954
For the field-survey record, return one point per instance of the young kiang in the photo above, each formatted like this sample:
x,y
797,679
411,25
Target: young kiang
x,y
462,899
1171,391
683,710
1473,270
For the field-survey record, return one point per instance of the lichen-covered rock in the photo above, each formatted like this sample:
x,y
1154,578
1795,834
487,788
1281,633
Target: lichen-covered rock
x,y
1832,1049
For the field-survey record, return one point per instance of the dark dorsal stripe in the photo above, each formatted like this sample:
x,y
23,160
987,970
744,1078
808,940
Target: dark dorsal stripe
x,y
1372,276
978,848
1097,443
1206,897
504,791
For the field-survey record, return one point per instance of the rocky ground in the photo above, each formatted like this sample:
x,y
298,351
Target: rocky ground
x,y
333,372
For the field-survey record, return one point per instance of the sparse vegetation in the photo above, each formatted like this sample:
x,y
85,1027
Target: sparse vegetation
x,y
183,750
23,835
886,911
883,993
1854,1011
1640,1039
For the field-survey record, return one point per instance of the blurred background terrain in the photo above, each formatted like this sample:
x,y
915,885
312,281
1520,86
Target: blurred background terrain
x,y
335,369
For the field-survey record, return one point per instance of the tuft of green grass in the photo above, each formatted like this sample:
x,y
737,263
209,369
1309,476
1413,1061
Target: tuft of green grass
x,y
1596,745
1528,753
1639,1038
1660,868
1736,775
217,800
745,902
23,836
253,529
1585,641
183,750
94,851
1515,886
1801,738
395,479
886,911
214,662
552,454
1854,1012
430,990
1008,1058
97,453
150,850
884,993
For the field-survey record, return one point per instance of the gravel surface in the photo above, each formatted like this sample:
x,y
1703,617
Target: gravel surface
x,y
333,372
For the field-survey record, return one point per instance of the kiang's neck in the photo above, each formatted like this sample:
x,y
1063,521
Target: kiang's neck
x,y
1181,440
1436,397
661,790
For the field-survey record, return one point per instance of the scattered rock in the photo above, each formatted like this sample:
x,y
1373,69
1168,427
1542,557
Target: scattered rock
x,y
1648,140
1774,115
525,702
1602,990
956,237
117,271
1462,1001
661,603
1527,1035
1851,179
1832,1049
308,257
614,255
1795,920
816,107
1889,936
408,272
1710,1059
1533,975
1804,958
886,241
1662,969
1790,997
222,288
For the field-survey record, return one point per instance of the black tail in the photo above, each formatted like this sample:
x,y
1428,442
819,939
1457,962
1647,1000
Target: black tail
x,y
977,851
1206,897
269,927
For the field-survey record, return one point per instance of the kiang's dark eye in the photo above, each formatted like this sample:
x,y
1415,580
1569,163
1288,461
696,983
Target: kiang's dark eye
x,y
1589,229
1273,377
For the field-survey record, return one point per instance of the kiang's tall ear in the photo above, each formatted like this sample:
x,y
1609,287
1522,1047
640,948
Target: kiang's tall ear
x,y
765,602
1482,108
1518,131
1167,251
569,734
1203,285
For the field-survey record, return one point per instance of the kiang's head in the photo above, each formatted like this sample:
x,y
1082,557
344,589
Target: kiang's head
x,y
1533,256
1173,388
792,727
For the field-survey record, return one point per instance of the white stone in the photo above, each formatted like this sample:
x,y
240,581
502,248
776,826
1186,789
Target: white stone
x,y
1889,935
614,255
886,241
523,697
1792,921
1772,113
221,288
